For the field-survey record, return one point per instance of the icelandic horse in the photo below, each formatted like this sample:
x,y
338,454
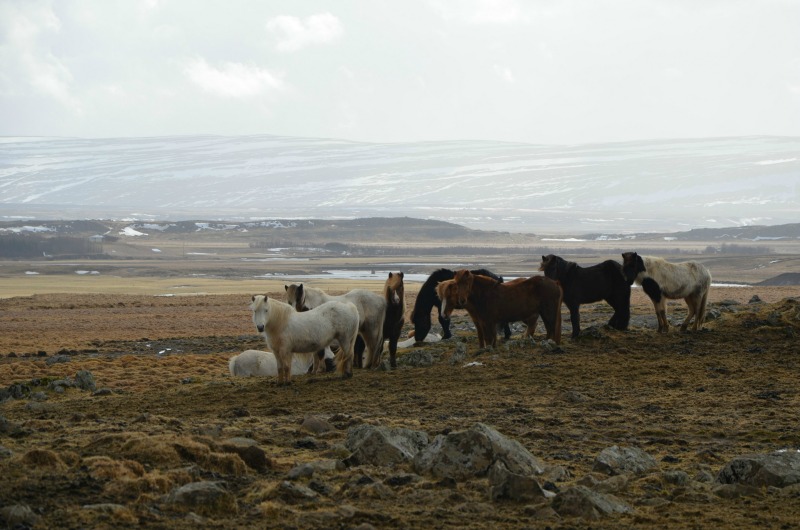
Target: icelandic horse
x,y
488,302
662,280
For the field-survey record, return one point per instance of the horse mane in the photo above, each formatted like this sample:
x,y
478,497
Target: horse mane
x,y
426,296
279,313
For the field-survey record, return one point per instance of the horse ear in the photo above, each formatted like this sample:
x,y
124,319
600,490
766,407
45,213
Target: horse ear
x,y
390,275
254,298
285,287
400,274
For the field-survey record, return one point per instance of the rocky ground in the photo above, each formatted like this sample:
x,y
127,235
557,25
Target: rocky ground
x,y
119,411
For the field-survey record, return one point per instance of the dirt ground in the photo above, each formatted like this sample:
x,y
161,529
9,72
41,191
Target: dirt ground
x,y
81,459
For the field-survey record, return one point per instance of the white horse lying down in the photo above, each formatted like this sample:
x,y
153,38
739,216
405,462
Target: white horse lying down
x,y
257,362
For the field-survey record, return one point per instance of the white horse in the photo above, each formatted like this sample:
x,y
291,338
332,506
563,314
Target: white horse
x,y
661,280
371,314
288,331
256,362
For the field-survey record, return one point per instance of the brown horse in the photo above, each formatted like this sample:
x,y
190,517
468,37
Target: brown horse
x,y
394,293
488,302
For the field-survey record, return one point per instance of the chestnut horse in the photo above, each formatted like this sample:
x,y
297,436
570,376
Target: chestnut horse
x,y
395,295
489,301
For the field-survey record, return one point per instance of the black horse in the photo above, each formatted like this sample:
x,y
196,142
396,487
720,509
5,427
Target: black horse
x,y
583,285
427,299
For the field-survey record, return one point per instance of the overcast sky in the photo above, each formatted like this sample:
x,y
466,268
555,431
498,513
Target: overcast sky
x,y
538,71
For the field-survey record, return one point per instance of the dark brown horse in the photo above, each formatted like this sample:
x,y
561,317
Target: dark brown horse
x,y
488,302
395,295
583,285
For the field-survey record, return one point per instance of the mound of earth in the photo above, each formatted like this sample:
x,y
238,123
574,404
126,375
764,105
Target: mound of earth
x,y
787,278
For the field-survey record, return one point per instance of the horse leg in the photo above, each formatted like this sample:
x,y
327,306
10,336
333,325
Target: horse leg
x,y
358,351
506,331
661,315
530,326
622,313
344,357
575,319
691,305
490,333
445,323
284,367
479,329
375,349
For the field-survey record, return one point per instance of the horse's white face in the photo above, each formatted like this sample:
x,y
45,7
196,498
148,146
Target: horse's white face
x,y
260,312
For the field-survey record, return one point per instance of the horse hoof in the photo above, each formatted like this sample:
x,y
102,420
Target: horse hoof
x,y
347,375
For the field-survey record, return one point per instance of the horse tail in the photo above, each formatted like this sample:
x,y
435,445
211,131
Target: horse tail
x,y
700,314
344,358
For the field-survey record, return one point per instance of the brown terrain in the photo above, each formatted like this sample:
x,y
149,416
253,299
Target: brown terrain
x,y
167,413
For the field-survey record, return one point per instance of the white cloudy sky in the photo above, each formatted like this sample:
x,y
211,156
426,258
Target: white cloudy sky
x,y
542,71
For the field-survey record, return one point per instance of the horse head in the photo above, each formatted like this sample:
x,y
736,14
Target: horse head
x,y
555,267
260,309
464,280
296,296
632,266
393,289
447,291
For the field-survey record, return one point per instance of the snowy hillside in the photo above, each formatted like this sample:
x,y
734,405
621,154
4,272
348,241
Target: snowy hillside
x,y
619,187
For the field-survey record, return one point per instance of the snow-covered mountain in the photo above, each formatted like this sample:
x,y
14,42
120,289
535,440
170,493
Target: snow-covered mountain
x,y
616,187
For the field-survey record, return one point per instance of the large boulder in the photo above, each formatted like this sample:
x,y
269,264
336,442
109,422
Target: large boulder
x,y
383,446
465,454
580,501
617,460
778,469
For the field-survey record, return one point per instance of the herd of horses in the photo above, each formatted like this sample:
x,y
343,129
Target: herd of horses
x,y
310,320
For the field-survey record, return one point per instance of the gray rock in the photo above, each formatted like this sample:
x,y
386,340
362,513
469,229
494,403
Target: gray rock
x,y
580,501
614,484
19,391
5,452
316,425
737,491
755,299
85,380
205,498
249,451
57,359
617,460
102,392
678,478
292,493
39,396
417,358
104,507
470,453
383,446
505,485
778,469
8,427
301,471
459,355
61,384
18,515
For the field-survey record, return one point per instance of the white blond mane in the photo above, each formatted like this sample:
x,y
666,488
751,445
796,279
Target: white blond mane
x,y
278,313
